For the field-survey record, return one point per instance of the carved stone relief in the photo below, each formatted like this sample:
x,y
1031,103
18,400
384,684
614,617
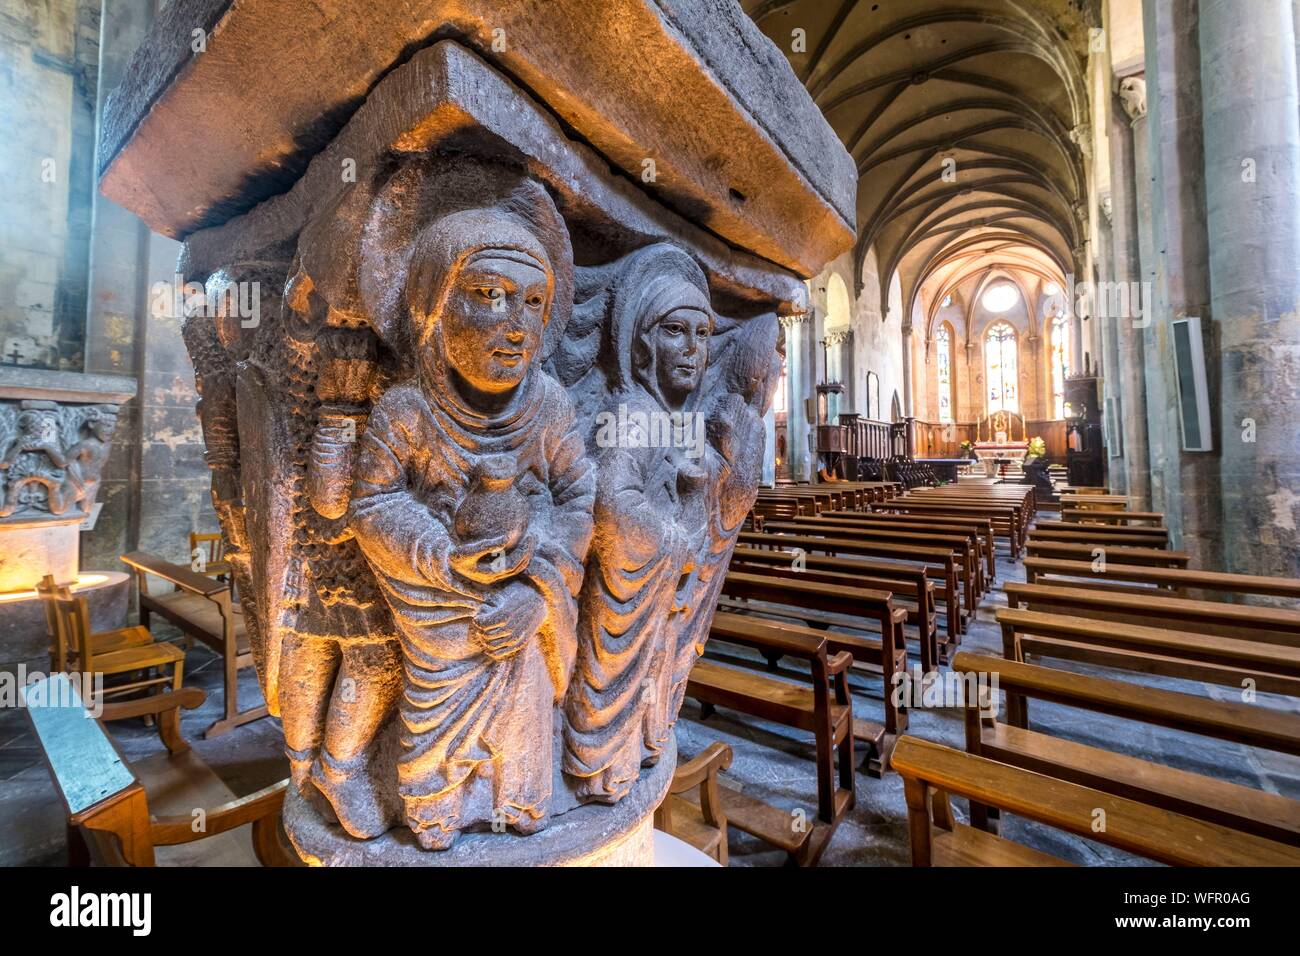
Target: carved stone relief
x,y
51,457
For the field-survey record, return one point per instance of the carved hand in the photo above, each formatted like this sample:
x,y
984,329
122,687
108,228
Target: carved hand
x,y
467,559
510,617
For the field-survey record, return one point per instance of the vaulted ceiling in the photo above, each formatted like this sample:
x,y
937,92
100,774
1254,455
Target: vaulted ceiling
x,y
967,119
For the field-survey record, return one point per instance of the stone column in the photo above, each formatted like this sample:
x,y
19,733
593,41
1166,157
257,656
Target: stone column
x,y
1252,198
1131,213
1184,485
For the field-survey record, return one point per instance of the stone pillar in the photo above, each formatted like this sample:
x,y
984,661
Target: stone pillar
x,y
1252,198
453,267
117,305
909,406
1184,485
1131,212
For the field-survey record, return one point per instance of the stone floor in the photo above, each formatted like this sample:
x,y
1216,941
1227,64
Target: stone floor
x,y
770,762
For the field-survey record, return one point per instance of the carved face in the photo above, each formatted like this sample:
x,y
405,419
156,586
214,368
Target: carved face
x,y
494,319
680,342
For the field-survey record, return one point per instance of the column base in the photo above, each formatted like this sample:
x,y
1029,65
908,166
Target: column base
x,y
590,835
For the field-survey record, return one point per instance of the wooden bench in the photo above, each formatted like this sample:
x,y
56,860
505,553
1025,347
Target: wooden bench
x,y
108,800
938,564
701,822
1007,520
909,585
1158,535
936,528
965,561
982,526
1121,518
204,609
1252,623
1120,553
820,706
885,655
1163,582
932,772
1232,805
1092,534
1183,654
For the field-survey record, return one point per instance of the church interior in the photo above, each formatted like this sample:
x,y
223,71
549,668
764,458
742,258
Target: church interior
x,y
746,433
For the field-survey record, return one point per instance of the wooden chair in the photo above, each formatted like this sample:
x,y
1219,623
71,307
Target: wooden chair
x,y
108,800
211,547
138,661
701,822
1208,798
932,773
205,609
61,654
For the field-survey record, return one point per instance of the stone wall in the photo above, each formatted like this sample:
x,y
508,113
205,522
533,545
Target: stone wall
x,y
49,52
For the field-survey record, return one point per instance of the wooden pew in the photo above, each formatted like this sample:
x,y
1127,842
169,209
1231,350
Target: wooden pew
x,y
201,608
965,558
1122,518
1164,582
1184,654
702,822
938,564
108,799
932,772
908,581
885,655
821,706
1005,519
1268,815
1248,622
937,527
982,526
1120,553
1159,537
1128,537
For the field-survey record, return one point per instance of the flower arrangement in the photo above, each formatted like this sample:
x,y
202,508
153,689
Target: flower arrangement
x,y
968,449
1037,448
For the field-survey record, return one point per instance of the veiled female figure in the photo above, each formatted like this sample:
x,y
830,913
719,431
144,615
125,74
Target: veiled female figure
x,y
651,515
472,503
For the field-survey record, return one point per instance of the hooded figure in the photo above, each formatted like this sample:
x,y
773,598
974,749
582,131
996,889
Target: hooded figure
x,y
651,514
472,504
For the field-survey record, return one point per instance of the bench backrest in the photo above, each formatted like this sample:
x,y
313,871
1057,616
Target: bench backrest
x,y
1132,826
1272,625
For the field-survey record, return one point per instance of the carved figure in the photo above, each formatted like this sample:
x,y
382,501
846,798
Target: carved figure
x,y
650,514
472,503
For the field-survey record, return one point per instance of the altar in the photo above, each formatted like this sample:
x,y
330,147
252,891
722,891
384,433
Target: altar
x,y
995,446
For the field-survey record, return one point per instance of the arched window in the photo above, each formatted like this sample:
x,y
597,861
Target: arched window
x,y
1058,337
1000,368
943,365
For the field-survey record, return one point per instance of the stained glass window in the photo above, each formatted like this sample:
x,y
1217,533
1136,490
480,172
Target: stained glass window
x,y
1059,339
943,362
1000,368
